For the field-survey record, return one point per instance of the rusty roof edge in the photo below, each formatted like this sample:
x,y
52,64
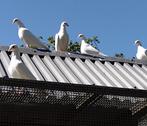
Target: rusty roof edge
x,y
74,55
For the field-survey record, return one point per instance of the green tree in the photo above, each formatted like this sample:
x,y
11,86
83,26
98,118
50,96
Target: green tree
x,y
119,55
75,46
51,42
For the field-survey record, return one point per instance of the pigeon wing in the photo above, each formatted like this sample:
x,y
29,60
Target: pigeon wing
x,y
32,40
91,50
102,54
24,72
57,42
66,41
145,52
12,71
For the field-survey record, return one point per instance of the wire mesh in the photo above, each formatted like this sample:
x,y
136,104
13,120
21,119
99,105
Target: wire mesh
x,y
34,103
142,121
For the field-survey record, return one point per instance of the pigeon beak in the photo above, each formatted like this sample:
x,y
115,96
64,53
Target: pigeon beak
x,y
78,37
14,21
67,24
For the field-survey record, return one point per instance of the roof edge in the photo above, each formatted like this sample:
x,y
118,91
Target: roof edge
x,y
73,87
74,55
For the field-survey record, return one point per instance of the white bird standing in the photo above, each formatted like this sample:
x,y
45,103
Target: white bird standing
x,y
62,38
17,68
87,48
141,52
27,37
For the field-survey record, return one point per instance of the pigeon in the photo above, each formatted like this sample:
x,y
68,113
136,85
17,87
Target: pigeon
x,y
27,37
62,38
141,52
87,48
17,68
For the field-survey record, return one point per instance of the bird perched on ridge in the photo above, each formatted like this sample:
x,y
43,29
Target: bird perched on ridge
x,y
17,68
141,52
27,37
62,38
87,48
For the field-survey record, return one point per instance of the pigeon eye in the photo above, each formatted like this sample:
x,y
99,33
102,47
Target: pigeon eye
x,y
13,47
15,20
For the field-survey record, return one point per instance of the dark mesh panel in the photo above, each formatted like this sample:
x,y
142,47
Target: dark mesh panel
x,y
143,121
36,103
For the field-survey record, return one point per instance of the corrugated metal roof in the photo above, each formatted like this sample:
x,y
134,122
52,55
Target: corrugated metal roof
x,y
80,69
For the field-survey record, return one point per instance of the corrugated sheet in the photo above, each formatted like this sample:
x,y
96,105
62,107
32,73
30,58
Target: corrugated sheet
x,y
28,62
80,69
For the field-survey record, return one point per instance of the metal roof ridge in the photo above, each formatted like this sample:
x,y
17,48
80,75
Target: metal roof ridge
x,y
32,51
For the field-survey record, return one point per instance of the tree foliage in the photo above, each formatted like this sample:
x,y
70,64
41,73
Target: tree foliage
x,y
119,55
74,46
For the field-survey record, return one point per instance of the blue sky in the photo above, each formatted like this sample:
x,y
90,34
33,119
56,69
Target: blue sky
x,y
117,23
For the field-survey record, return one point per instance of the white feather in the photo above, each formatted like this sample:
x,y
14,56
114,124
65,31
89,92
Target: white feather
x,y
27,37
62,38
141,52
88,49
17,68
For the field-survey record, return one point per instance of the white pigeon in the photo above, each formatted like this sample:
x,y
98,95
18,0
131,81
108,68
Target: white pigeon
x,y
17,68
87,48
27,37
62,38
141,52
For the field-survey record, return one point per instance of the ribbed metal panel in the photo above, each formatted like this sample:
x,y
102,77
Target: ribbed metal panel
x,y
94,79
99,73
28,62
116,72
77,71
144,68
109,74
54,69
80,70
43,69
141,71
66,70
128,76
5,61
2,72
138,77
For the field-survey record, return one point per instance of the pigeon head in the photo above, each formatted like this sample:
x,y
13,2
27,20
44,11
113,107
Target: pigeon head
x,y
15,20
82,36
64,23
138,43
18,22
13,47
